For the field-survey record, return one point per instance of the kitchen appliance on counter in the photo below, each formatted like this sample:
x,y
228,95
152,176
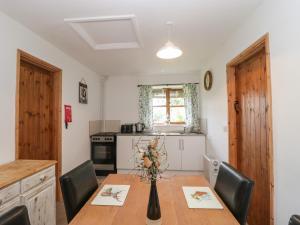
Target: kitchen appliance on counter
x,y
104,152
127,128
139,127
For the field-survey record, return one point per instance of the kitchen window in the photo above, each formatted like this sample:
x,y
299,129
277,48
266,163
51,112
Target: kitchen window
x,y
168,105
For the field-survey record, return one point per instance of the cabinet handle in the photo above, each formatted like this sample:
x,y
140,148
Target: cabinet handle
x,y
1,201
43,178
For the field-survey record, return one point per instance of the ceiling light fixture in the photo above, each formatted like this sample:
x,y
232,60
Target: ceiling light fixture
x,y
169,50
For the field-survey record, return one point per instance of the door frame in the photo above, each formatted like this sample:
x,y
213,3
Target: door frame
x,y
57,120
260,44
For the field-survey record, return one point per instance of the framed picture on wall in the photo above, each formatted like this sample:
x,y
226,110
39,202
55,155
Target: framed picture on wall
x,y
83,92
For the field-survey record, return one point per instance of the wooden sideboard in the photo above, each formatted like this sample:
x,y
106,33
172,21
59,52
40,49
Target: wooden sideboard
x,y
30,183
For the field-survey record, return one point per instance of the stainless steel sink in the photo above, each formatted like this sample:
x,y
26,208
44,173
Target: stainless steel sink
x,y
170,133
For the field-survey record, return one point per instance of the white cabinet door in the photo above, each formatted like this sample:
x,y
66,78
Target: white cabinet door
x,y
193,149
174,152
40,203
125,154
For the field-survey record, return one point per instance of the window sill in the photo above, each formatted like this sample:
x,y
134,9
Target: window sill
x,y
169,125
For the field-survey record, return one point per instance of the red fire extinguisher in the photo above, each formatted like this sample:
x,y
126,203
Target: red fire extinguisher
x,y
68,115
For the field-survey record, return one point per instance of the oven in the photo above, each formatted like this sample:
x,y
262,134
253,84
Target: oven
x,y
103,154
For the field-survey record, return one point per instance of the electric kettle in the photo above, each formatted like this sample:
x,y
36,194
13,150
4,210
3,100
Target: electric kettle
x,y
139,127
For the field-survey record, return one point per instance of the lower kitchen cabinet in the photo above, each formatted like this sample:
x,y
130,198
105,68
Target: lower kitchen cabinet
x,y
37,192
172,144
192,151
40,203
126,159
185,153
125,152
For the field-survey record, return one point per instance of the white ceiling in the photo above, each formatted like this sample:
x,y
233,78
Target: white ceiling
x,y
200,27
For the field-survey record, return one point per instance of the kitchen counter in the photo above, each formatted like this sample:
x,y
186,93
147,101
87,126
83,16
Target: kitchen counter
x,y
19,169
160,134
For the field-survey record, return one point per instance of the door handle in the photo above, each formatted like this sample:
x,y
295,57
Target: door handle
x,y
237,106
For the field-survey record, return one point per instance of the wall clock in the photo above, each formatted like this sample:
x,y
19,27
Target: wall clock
x,y
208,80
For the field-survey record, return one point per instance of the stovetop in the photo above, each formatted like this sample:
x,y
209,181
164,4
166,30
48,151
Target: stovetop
x,y
104,134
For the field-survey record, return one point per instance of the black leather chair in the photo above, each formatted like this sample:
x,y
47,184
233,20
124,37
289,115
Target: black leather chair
x,y
15,216
295,220
77,186
235,191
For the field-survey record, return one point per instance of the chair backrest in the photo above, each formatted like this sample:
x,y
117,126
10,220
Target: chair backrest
x,y
77,186
15,216
235,191
295,220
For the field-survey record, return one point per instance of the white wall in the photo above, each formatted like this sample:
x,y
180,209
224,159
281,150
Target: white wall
x,y
75,140
121,93
281,19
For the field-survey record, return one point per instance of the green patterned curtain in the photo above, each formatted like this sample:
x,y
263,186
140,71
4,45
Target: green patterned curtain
x,y
191,102
145,105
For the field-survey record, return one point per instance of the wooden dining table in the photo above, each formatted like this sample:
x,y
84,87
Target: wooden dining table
x,y
174,208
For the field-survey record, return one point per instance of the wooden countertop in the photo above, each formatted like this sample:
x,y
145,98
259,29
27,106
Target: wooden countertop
x,y
173,205
19,169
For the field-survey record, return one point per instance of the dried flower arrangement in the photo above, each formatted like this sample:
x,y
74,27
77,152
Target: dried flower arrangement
x,y
151,159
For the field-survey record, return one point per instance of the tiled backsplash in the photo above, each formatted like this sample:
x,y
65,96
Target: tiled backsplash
x,y
96,126
112,125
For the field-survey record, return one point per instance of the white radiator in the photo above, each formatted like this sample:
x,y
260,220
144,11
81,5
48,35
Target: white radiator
x,y
211,169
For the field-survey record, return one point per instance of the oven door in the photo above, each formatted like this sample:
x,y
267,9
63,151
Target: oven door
x,y
103,153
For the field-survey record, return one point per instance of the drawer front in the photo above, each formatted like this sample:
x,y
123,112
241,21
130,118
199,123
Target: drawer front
x,y
10,192
37,179
9,205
